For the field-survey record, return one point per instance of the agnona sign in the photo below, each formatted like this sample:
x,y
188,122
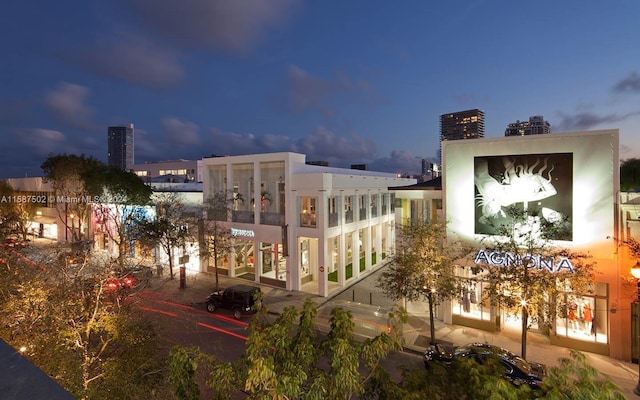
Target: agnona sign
x,y
504,259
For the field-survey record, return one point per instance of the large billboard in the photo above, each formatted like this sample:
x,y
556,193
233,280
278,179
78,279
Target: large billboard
x,y
571,177
537,183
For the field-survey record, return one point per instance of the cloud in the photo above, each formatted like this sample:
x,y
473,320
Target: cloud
x,y
43,141
131,58
588,120
309,92
232,143
232,26
180,132
399,161
325,145
67,104
629,84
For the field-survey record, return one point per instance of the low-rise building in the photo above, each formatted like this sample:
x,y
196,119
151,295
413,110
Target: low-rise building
x,y
302,227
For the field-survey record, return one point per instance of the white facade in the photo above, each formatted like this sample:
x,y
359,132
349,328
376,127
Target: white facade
x,y
313,228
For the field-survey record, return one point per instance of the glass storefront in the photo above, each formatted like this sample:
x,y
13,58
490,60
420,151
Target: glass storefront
x,y
274,265
243,251
470,303
584,317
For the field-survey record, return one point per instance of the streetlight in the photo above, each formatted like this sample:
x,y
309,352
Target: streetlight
x,y
635,271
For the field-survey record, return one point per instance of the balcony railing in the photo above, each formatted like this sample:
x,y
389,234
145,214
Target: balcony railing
x,y
333,219
242,216
348,216
268,218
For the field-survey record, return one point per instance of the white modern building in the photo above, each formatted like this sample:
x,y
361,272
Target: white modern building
x,y
302,227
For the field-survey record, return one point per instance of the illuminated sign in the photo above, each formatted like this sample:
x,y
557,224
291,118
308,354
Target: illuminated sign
x,y
504,259
242,232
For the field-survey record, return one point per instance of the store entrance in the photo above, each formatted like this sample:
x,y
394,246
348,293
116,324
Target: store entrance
x,y
244,266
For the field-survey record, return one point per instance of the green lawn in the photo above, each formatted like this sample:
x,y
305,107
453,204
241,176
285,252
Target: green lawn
x,y
333,276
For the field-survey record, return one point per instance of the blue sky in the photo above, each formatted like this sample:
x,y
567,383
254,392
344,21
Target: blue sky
x,y
348,82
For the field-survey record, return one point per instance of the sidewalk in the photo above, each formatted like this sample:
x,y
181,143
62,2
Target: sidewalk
x,y
416,330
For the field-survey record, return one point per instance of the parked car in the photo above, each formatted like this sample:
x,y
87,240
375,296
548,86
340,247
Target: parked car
x,y
516,369
133,276
240,299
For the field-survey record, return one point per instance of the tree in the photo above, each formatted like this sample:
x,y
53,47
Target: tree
x,y
423,267
8,210
66,173
630,174
172,227
287,360
534,271
217,211
90,340
575,378
120,201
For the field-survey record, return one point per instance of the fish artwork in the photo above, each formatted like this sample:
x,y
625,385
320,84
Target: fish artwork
x,y
520,183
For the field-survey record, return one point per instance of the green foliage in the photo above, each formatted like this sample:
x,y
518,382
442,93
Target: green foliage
x,y
113,185
574,378
424,266
217,236
172,227
286,359
182,367
630,175
66,173
91,343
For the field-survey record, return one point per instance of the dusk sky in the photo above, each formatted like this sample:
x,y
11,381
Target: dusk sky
x,y
348,82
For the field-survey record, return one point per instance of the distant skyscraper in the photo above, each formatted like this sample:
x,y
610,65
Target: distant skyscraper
x,y
121,146
461,125
535,126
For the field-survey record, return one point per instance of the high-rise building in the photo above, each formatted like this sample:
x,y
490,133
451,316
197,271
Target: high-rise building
x,y
535,126
462,125
467,124
121,146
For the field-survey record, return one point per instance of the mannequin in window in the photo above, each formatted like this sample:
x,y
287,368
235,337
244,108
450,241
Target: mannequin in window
x,y
588,318
572,316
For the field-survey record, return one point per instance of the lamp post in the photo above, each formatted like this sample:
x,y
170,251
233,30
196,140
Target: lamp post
x,y
635,271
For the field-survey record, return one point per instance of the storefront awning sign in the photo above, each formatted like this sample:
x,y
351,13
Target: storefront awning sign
x,y
242,232
505,259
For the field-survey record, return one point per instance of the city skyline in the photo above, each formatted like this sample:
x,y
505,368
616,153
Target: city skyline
x,y
347,83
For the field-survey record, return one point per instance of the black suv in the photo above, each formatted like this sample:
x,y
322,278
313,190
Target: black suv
x,y
239,299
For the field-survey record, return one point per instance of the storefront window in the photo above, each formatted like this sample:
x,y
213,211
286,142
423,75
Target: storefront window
x,y
584,317
334,251
244,257
349,241
304,258
267,250
470,303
